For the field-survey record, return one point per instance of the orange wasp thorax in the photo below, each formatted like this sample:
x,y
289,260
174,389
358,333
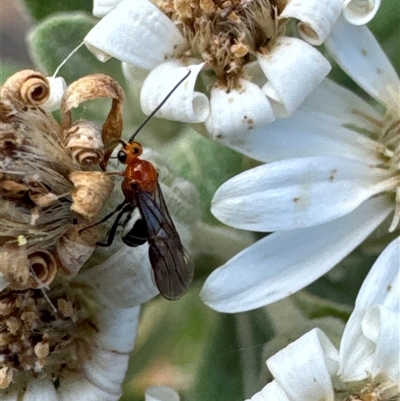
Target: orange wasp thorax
x,y
139,174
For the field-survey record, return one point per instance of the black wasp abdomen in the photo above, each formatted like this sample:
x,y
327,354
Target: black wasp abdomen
x,y
137,235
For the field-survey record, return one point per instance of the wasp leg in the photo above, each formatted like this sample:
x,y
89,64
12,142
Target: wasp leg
x,y
113,230
118,208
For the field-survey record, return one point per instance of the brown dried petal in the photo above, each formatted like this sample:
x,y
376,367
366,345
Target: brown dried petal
x,y
28,86
6,375
43,267
73,250
96,86
84,139
92,188
14,265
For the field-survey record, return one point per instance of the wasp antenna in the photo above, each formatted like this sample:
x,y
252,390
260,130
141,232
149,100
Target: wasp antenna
x,y
151,115
67,58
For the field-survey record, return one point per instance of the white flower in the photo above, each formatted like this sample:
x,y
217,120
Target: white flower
x,y
73,341
367,365
245,71
333,177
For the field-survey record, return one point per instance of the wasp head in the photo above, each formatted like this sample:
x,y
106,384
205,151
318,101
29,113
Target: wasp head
x,y
130,152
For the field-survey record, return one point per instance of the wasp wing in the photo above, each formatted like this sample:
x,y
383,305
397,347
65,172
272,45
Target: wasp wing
x,y
172,270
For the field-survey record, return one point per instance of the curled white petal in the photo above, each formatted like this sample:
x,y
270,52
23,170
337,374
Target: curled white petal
x,y
58,87
293,68
185,104
360,56
114,279
236,113
117,328
360,12
294,193
355,349
103,7
272,391
106,369
270,270
136,32
304,368
381,286
40,390
381,326
316,17
161,393
80,388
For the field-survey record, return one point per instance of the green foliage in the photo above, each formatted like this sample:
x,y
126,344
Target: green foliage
x,y
8,69
40,9
233,361
205,163
53,40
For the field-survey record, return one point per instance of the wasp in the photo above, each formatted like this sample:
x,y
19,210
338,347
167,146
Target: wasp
x,y
173,271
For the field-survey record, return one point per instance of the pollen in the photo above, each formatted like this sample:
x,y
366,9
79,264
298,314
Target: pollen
x,y
226,34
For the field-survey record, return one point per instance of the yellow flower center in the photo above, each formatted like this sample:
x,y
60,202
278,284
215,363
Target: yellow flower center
x,y
226,34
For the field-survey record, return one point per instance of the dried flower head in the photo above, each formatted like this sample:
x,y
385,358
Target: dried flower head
x,y
44,193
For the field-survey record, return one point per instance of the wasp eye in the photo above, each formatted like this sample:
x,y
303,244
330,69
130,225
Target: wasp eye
x,y
121,156
135,150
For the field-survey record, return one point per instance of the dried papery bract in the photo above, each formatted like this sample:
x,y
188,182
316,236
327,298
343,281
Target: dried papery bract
x,y
92,188
28,86
84,139
40,201
95,86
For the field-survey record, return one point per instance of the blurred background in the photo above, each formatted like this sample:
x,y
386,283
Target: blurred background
x,y
14,23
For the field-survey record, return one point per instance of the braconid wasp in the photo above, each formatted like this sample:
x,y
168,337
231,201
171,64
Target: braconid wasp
x,y
173,271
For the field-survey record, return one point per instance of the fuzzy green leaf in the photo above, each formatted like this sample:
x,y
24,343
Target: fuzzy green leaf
x,y
53,40
40,9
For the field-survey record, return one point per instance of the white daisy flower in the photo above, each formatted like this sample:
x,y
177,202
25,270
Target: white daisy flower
x,y
245,69
367,365
333,176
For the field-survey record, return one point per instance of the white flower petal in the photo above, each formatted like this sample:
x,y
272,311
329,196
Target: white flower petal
x,y
79,388
103,7
293,68
360,12
317,128
58,86
40,390
294,193
356,350
124,280
381,326
161,393
106,369
359,54
381,286
285,262
185,104
316,17
272,391
237,112
117,328
304,368
136,32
